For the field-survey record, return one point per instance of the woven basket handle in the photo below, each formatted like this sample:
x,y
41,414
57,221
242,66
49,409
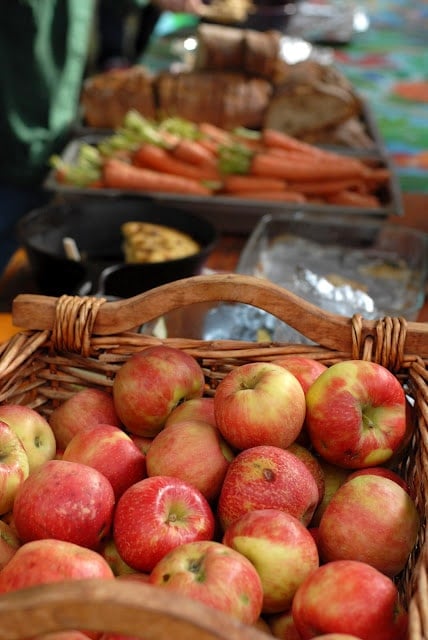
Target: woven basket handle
x,y
115,606
327,329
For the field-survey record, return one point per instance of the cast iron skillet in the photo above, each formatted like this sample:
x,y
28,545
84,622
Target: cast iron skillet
x,y
94,224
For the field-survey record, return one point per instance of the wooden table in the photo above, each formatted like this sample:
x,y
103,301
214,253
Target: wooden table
x,y
17,276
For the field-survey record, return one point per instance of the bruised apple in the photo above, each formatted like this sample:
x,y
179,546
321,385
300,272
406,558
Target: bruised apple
x,y
151,384
67,501
371,519
214,574
200,455
87,407
267,477
356,414
258,404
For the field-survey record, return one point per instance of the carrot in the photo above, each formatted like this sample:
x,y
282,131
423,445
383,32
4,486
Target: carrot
x,y
153,157
281,140
272,196
266,164
121,175
215,133
242,183
328,186
354,199
193,152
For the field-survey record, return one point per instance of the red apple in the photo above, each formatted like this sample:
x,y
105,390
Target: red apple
x,y
356,414
9,543
87,407
63,635
385,472
194,409
306,370
151,384
371,519
267,478
281,549
33,430
335,636
14,466
157,514
350,597
194,451
214,574
65,500
259,404
46,561
110,450
142,442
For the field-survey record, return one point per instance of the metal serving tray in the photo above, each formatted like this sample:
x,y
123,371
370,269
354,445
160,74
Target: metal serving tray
x,y
231,214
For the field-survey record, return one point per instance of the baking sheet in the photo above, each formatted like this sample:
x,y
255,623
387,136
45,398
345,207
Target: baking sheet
x,y
231,214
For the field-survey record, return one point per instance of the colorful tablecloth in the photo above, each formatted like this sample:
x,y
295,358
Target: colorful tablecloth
x,y
388,63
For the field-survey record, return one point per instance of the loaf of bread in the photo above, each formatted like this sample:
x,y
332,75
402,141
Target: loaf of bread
x,y
312,98
107,97
226,99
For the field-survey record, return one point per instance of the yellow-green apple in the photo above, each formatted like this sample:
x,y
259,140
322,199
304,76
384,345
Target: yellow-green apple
x,y
87,407
212,573
194,409
9,543
67,501
334,477
194,451
281,549
347,596
282,626
356,414
110,450
14,466
259,403
267,477
33,430
151,384
313,463
385,472
157,514
47,561
109,552
371,519
305,369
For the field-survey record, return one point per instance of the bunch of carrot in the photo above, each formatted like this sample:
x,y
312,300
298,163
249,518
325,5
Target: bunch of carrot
x,y
180,157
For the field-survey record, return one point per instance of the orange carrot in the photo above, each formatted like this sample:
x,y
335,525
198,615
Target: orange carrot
x,y
121,175
193,152
328,186
153,157
354,199
274,138
215,133
266,164
241,183
272,196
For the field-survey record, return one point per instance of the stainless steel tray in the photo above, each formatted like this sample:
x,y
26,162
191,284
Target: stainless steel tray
x,y
231,214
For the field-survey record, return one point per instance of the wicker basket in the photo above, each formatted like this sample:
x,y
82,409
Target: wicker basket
x,y
70,342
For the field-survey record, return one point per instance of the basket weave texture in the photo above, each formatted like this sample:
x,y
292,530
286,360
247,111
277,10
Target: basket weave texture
x,y
73,342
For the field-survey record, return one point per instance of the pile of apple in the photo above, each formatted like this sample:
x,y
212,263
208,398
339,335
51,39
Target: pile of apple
x,y
273,500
